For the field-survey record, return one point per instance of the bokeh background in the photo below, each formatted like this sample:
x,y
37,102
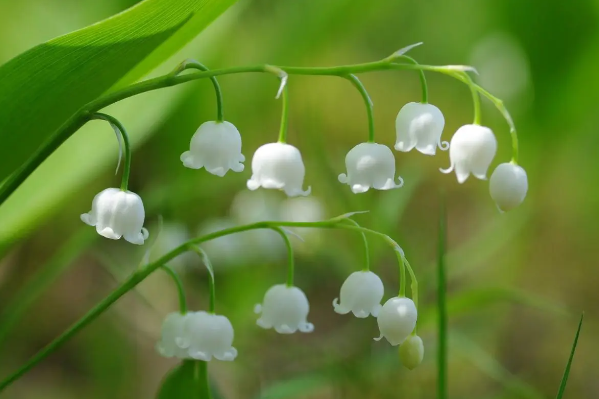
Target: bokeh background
x,y
517,281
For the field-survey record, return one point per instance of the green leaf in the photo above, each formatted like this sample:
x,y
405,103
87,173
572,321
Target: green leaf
x,y
44,86
186,381
562,386
92,149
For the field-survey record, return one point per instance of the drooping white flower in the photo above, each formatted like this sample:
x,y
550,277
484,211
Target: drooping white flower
x,y
285,309
397,320
215,146
278,166
471,150
420,126
508,186
370,165
197,335
116,213
411,352
361,293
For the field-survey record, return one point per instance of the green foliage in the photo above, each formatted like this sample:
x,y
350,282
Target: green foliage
x,y
562,386
186,381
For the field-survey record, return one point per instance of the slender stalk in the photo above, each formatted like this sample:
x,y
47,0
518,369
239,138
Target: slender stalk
x,y
180,288
475,98
202,375
117,125
562,386
367,101
414,282
402,274
290,259
211,283
284,116
442,309
423,84
366,249
193,64
81,117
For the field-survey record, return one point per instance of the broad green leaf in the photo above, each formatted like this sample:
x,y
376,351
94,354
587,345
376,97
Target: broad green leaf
x,y
44,86
186,381
93,148
562,386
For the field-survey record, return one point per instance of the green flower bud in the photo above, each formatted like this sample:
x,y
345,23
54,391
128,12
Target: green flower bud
x,y
411,352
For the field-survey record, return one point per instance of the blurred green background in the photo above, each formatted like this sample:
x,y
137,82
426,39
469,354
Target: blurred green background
x,y
517,281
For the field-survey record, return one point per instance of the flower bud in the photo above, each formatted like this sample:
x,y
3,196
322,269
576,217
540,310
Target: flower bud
x,y
285,309
278,166
411,352
471,150
361,293
215,146
508,186
370,165
419,126
116,213
397,320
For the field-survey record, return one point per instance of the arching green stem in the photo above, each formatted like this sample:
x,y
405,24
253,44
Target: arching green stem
x,y
140,274
284,116
193,64
414,282
475,98
290,258
117,125
367,101
180,288
423,84
211,285
366,249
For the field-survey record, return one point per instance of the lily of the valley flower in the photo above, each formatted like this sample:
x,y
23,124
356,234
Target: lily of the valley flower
x,y
116,213
197,335
411,352
508,186
397,320
361,293
420,126
278,166
370,165
215,146
472,149
285,309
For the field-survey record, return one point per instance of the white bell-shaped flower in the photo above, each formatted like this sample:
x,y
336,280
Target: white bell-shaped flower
x,y
197,335
361,293
411,352
397,320
508,186
420,126
285,309
278,166
370,165
116,213
215,146
471,150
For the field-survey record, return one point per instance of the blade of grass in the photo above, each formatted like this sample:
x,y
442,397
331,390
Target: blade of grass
x,y
562,386
442,306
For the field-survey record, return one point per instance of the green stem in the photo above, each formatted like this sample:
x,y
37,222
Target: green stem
x,y
442,307
367,101
211,283
475,98
139,275
117,125
366,249
284,116
180,288
290,259
402,274
423,84
202,375
193,64
81,117
414,282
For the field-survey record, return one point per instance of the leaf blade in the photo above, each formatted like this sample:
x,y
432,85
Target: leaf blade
x,y
562,386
